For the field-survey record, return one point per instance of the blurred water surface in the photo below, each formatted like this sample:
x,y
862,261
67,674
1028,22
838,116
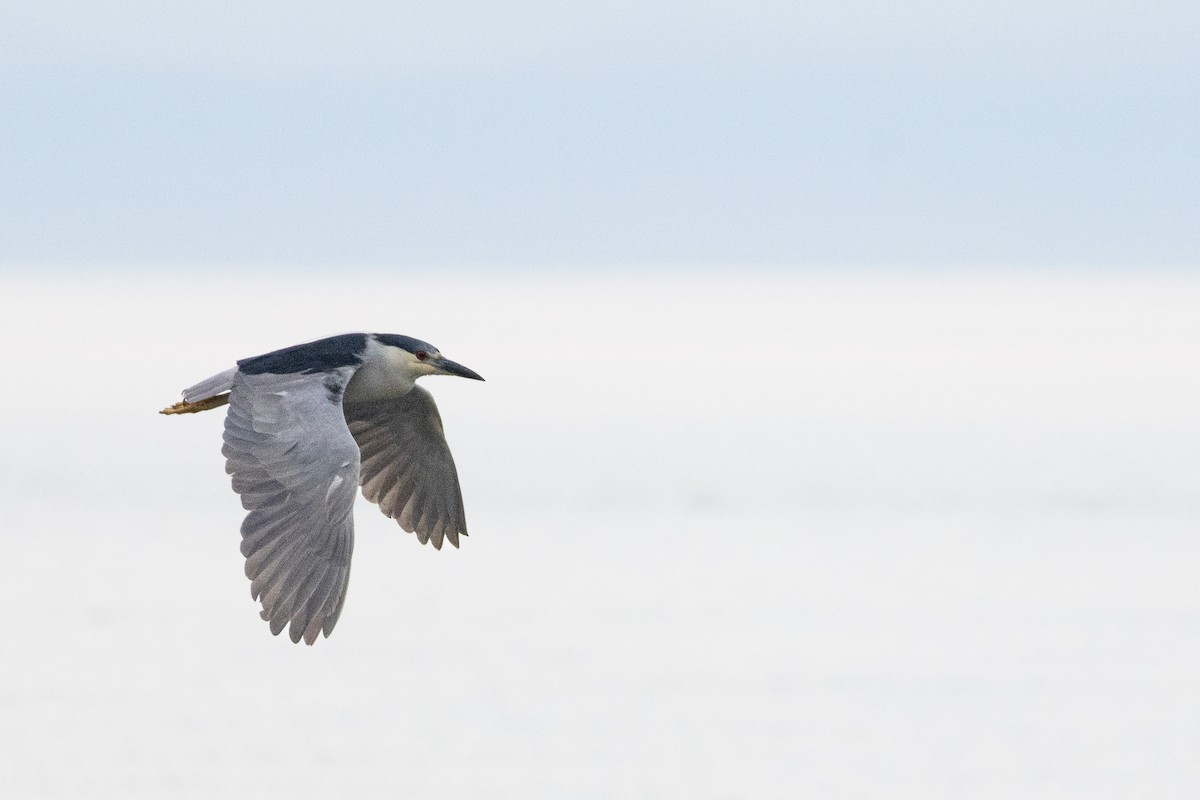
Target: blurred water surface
x,y
764,535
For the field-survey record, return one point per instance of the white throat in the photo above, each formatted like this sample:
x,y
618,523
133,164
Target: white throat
x,y
386,372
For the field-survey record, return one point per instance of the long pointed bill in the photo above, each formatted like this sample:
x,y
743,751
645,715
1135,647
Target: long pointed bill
x,y
448,367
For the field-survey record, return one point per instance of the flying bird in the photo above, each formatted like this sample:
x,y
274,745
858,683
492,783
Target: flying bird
x,y
306,426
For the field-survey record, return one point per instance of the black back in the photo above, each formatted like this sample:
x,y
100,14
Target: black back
x,y
320,356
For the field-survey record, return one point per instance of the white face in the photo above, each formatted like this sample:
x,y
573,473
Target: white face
x,y
421,362
389,371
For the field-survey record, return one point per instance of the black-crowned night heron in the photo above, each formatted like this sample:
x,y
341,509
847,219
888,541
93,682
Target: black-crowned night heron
x,y
306,425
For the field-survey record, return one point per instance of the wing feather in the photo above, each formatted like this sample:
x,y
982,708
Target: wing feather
x,y
296,467
407,468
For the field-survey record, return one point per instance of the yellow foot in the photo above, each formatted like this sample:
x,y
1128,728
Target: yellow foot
x,y
184,407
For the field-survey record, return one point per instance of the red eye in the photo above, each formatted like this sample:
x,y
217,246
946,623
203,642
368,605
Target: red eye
x,y
422,355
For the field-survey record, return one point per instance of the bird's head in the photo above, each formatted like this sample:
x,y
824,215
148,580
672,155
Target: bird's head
x,y
417,358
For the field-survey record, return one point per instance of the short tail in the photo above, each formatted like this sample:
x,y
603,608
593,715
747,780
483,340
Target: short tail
x,y
210,387
208,393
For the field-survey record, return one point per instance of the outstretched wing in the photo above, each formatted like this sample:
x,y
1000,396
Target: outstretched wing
x,y
407,467
296,467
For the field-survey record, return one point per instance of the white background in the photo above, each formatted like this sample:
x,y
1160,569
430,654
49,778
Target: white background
x,y
759,535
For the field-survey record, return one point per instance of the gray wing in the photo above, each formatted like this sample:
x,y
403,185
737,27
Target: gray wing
x,y
407,467
296,467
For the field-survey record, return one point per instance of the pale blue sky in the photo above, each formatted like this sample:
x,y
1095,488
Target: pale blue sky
x,y
827,133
